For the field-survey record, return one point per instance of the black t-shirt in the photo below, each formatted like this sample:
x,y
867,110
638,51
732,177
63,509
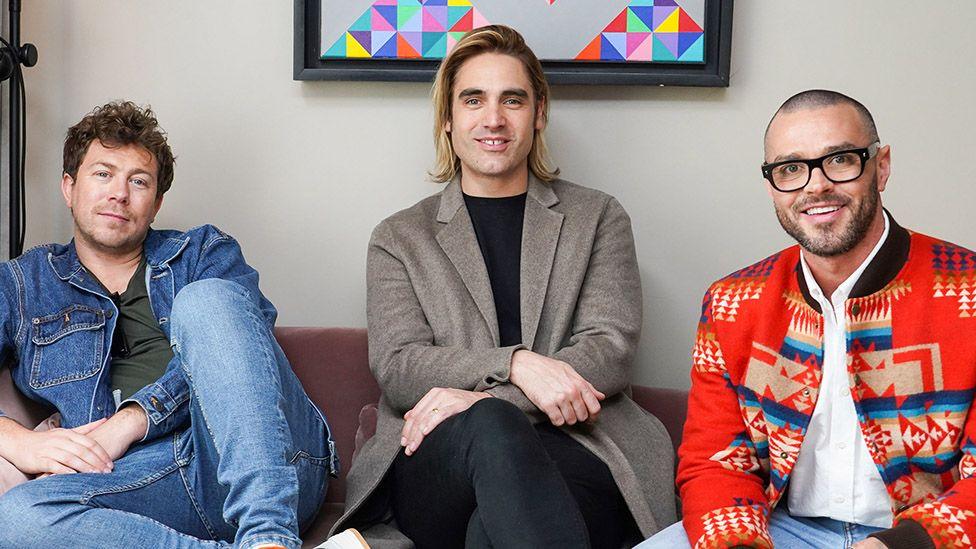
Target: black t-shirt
x,y
498,226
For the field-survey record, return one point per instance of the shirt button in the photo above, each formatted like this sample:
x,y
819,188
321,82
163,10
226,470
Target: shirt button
x,y
806,392
783,455
157,404
838,499
856,309
109,313
841,445
844,392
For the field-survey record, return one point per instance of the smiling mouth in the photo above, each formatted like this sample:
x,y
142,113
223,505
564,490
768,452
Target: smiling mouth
x,y
492,142
114,216
821,210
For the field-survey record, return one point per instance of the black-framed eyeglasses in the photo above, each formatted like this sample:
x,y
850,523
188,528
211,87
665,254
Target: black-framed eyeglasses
x,y
839,167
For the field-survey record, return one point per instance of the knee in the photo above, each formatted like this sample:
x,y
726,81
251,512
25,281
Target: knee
x,y
497,425
210,294
204,302
495,414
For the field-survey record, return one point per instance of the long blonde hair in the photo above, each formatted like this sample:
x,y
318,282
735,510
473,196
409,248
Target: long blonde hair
x,y
491,39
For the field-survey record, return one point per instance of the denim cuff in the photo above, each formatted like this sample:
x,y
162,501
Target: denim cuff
x,y
164,411
255,541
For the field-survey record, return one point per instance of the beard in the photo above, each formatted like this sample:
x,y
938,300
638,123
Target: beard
x,y
826,241
105,240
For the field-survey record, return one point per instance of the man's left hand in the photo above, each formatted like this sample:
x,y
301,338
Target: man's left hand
x,y
437,405
869,543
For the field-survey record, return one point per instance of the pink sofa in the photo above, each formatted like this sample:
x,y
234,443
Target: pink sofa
x,y
333,366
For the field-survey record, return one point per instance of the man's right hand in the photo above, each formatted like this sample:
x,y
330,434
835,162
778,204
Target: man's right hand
x,y
555,388
57,451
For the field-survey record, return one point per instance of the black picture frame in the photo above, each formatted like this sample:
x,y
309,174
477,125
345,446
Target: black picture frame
x,y
713,73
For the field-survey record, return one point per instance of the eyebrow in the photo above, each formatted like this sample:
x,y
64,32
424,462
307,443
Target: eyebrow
x,y
846,145
111,166
104,164
470,92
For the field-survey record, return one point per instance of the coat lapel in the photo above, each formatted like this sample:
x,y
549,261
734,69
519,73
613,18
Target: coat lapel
x,y
540,234
459,243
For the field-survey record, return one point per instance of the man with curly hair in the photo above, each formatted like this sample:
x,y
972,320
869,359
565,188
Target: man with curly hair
x,y
179,420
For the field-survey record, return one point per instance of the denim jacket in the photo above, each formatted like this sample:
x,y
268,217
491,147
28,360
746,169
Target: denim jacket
x,y
57,323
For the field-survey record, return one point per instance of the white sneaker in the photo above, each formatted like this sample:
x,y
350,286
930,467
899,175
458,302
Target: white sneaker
x,y
347,539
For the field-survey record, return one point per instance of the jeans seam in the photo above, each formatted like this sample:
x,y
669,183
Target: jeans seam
x,y
194,393
189,491
141,483
270,358
334,464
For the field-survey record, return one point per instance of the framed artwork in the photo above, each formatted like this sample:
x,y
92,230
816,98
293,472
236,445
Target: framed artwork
x,y
649,42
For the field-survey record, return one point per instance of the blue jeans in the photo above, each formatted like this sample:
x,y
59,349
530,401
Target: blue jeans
x,y
788,532
251,467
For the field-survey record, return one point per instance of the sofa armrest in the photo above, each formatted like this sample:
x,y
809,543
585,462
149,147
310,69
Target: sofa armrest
x,y
18,407
668,405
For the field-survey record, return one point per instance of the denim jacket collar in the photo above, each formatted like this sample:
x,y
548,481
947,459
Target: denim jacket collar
x,y
159,251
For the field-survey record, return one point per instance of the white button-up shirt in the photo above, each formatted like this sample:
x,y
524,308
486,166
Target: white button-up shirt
x,y
834,475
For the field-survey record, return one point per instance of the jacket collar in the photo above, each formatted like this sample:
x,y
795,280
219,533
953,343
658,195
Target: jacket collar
x,y
885,266
540,235
452,198
159,251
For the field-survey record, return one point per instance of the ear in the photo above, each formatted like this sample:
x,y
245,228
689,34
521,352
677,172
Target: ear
x,y
447,126
884,166
540,110
67,185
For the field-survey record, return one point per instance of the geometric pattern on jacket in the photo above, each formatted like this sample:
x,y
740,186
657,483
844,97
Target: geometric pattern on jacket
x,y
758,357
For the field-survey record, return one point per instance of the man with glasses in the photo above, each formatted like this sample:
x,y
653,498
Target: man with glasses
x,y
832,381
181,421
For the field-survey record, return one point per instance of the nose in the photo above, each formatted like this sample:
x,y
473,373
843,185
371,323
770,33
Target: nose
x,y
494,116
818,182
119,189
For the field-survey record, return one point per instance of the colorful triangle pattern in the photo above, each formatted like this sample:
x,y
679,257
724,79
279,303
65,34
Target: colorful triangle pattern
x,y
407,29
648,30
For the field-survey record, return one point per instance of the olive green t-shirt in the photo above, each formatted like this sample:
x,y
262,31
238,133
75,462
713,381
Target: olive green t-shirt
x,y
140,349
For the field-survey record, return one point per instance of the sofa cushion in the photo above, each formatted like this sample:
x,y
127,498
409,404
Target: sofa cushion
x,y
333,367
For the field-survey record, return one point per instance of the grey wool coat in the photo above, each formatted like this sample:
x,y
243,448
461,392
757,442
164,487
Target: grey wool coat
x,y
432,323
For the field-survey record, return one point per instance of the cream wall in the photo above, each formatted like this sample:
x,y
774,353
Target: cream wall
x,y
292,169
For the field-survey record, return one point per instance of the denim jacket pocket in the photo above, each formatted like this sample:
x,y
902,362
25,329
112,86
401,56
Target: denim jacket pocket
x,y
68,346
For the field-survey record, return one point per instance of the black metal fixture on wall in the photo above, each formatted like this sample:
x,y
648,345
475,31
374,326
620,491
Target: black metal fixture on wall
x,y
14,56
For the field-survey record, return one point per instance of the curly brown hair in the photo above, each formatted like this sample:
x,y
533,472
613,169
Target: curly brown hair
x,y
118,124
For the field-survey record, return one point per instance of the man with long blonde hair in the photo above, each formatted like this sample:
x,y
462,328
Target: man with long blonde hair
x,y
504,314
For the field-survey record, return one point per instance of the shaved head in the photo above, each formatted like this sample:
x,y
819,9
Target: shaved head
x,y
816,99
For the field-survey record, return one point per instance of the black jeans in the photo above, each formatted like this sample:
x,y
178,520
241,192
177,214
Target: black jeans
x,y
488,478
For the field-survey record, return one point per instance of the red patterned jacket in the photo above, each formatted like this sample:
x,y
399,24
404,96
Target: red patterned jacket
x,y
912,370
